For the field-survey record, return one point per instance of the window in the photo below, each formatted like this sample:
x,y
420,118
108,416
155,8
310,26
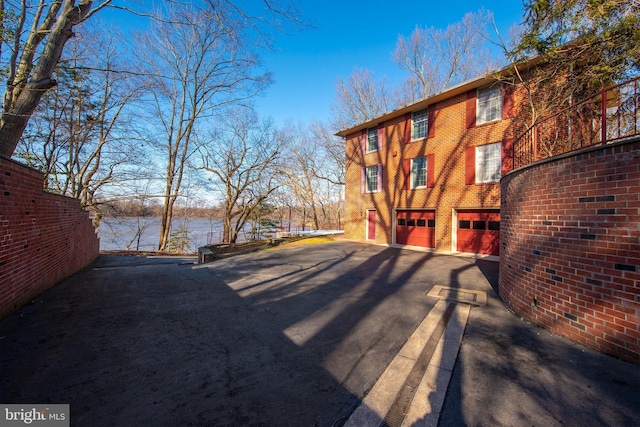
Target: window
x,y
421,223
489,104
420,124
494,225
464,224
478,225
372,178
488,163
419,172
372,139
401,221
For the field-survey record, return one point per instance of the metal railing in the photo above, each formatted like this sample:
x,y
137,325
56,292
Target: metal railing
x,y
609,116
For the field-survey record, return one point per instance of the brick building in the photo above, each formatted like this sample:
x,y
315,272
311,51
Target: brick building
x,y
427,174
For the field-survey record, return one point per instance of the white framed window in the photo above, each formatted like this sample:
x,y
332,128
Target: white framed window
x,y
489,107
419,172
488,163
420,124
372,139
371,179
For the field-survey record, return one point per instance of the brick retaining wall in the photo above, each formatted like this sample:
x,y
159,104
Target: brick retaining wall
x,y
570,247
44,238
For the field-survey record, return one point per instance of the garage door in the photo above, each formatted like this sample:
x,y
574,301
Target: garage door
x,y
416,228
479,232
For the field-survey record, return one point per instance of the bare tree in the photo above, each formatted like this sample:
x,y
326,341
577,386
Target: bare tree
x,y
78,136
242,156
331,149
141,222
129,209
437,59
331,160
302,168
285,203
359,98
34,40
434,59
201,64
314,167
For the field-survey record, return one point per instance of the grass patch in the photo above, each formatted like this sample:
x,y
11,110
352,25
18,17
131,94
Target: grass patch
x,y
302,241
224,249
313,240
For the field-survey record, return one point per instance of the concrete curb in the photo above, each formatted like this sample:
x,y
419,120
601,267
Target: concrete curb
x,y
425,409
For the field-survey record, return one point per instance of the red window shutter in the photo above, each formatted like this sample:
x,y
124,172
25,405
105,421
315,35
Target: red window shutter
x,y
379,189
430,170
507,101
431,122
471,109
363,141
470,166
407,128
381,138
363,180
507,155
406,169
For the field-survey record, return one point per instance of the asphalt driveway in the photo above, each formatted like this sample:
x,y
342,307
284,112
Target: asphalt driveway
x,y
290,337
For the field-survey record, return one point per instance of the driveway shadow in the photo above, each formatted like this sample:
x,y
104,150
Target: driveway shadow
x,y
290,337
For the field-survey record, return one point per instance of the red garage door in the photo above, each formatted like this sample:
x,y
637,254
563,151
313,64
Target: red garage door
x,y
479,232
416,228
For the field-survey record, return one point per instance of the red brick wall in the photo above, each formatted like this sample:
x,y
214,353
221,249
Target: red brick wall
x,y
44,238
570,247
449,191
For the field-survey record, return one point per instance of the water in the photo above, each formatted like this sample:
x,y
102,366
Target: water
x,y
143,233
118,233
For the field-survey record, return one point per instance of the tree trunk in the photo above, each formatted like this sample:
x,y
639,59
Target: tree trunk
x,y
304,218
226,230
14,122
316,222
167,214
25,99
165,228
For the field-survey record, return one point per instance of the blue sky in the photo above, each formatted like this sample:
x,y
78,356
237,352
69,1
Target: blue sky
x,y
350,34
345,34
